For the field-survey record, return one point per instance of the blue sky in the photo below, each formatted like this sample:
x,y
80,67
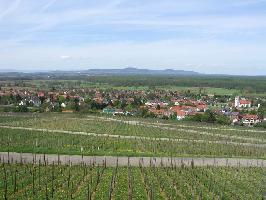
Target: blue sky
x,y
209,36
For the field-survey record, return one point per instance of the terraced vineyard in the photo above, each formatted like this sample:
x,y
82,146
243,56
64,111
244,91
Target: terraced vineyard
x,y
94,182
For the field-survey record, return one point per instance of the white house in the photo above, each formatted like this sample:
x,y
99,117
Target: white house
x,y
250,120
156,103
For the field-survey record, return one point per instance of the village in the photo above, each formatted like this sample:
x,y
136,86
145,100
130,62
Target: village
x,y
152,103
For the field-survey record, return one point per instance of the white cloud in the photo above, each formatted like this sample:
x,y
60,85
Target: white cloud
x,y
65,57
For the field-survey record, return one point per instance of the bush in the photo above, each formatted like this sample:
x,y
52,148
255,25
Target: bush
x,y
262,125
223,120
21,108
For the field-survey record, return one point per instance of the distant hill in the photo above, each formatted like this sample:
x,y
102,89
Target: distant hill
x,y
67,74
125,71
136,71
106,72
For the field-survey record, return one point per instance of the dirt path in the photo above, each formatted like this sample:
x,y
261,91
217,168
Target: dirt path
x,y
112,161
185,128
136,122
135,137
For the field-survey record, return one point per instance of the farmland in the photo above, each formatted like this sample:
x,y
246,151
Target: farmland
x,y
94,135
214,85
94,182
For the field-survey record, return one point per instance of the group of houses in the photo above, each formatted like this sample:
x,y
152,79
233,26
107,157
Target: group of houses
x,y
178,107
117,102
184,107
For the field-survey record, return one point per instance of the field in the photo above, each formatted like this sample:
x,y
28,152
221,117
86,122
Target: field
x,y
92,135
84,84
219,85
94,182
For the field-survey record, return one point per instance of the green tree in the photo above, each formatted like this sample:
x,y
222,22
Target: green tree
x,y
22,108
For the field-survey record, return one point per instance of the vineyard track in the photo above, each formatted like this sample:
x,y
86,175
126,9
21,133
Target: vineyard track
x,y
112,161
134,137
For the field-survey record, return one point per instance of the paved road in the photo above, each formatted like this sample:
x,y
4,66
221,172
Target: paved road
x,y
112,161
136,137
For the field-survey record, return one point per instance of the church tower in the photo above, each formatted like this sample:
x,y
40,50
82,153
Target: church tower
x,y
237,102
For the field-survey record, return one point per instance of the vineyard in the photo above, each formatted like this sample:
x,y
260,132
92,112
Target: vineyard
x,y
94,182
124,126
103,136
64,143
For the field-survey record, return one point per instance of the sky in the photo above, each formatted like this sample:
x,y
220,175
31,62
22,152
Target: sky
x,y
207,36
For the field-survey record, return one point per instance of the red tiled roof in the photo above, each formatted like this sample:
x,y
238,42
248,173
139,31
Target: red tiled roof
x,y
244,102
180,113
41,94
202,106
159,112
182,108
250,117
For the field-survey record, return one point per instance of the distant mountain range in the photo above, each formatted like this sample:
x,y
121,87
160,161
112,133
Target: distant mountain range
x,y
99,72
136,71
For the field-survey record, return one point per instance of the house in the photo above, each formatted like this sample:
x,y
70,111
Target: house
x,y
175,101
187,109
250,120
178,102
35,101
234,116
156,103
183,111
202,108
180,114
41,94
160,112
242,103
